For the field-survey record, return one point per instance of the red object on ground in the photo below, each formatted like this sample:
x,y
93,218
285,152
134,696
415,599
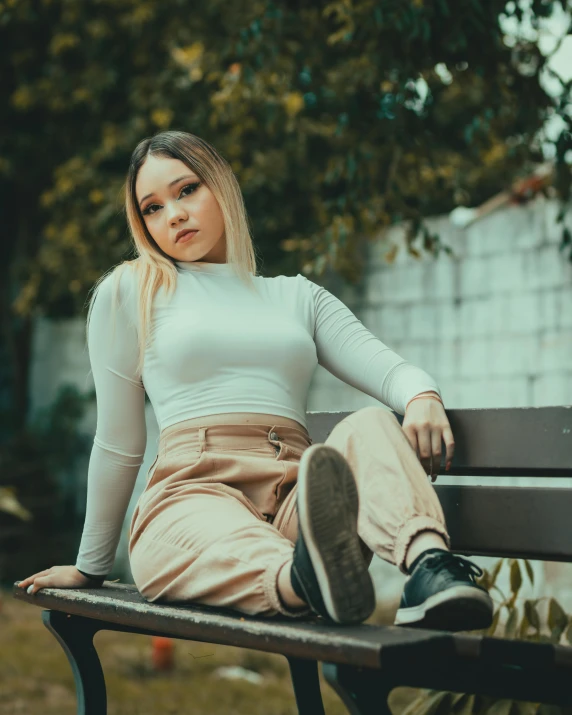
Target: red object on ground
x,y
162,653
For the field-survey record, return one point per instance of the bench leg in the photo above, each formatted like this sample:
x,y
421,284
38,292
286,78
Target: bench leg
x,y
361,690
75,635
306,683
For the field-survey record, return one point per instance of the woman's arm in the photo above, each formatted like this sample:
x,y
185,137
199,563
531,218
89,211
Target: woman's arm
x,y
120,438
348,350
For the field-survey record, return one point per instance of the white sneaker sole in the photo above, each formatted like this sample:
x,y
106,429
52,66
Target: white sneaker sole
x,y
327,516
461,608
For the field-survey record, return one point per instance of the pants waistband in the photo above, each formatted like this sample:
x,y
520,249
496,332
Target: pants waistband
x,y
194,436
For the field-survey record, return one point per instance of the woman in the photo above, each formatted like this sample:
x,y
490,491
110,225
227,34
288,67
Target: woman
x,y
240,509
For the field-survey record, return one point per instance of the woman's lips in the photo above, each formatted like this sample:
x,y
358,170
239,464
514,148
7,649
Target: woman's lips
x,y
187,236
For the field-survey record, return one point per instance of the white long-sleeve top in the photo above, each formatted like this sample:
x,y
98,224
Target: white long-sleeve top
x,y
216,347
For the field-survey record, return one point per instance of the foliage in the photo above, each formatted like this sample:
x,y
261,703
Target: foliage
x,y
316,105
524,621
36,460
340,118
10,504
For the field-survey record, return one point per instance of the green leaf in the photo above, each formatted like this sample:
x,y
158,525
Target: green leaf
x,y
524,708
515,576
529,571
524,626
444,8
436,701
495,572
463,705
500,707
557,620
566,239
569,633
512,622
429,702
10,504
532,614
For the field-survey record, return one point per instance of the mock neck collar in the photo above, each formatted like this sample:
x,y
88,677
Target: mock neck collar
x,y
216,269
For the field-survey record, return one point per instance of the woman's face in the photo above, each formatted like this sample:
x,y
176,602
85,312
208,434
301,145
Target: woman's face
x,y
172,198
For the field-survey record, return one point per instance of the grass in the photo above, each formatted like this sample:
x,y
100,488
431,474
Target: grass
x,y
36,678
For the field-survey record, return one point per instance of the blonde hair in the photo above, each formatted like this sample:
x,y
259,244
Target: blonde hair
x,y
155,269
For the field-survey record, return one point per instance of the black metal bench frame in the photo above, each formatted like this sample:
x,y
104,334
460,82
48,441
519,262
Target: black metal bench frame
x,y
364,663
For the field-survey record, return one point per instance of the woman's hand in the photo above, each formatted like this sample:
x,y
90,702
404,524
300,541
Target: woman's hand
x,y
56,577
425,424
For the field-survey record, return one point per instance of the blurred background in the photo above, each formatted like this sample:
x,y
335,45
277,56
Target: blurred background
x,y
414,157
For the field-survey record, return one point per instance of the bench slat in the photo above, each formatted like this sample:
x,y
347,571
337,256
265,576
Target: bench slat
x,y
520,522
532,441
123,605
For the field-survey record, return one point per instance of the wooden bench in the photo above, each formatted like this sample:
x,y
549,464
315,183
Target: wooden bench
x,y
364,663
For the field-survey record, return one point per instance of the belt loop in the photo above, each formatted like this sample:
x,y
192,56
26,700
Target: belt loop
x,y
202,438
274,437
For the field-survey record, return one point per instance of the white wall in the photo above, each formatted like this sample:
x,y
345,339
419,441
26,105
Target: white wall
x,y
493,325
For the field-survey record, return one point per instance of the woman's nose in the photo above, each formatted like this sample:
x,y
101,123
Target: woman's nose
x,y
175,213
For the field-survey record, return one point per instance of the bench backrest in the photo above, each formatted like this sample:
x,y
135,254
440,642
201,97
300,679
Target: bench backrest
x,y
514,521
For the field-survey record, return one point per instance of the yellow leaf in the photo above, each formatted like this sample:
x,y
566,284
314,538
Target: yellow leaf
x,y
515,576
81,94
390,256
96,196
62,42
47,199
162,117
557,617
189,55
64,185
532,614
22,98
293,102
511,624
142,13
10,505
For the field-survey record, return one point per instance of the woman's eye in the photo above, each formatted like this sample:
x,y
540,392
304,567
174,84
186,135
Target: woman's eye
x,y
194,187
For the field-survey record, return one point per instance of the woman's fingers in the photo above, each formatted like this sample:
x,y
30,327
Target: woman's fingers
x,y
426,427
424,442
41,582
411,435
428,448
436,452
27,581
449,445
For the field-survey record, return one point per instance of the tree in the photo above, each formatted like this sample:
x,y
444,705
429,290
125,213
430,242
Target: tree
x,y
339,118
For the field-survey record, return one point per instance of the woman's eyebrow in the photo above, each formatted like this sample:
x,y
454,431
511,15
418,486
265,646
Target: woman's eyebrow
x,y
186,176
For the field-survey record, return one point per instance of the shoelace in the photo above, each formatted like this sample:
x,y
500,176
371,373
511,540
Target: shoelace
x,y
456,564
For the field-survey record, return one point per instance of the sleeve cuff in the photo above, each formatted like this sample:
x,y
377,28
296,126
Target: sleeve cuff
x,y
100,579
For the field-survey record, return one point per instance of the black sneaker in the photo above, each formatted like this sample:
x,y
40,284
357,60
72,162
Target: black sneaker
x,y
442,593
329,571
